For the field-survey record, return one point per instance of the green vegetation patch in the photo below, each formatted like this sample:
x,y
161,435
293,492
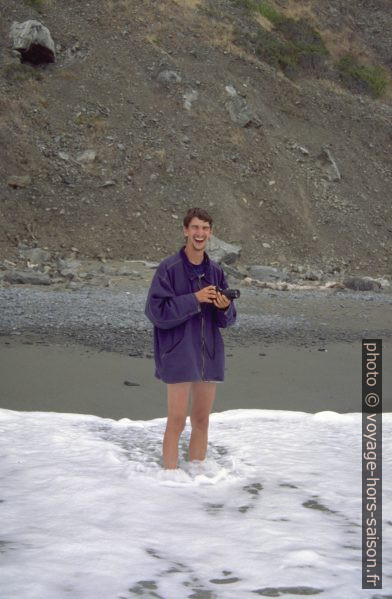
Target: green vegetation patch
x,y
249,4
270,13
293,45
370,79
37,4
297,46
274,51
301,34
264,8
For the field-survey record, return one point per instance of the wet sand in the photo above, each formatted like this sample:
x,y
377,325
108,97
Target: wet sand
x,y
69,351
40,376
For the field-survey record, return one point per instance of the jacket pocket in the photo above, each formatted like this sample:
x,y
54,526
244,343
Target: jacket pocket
x,y
174,338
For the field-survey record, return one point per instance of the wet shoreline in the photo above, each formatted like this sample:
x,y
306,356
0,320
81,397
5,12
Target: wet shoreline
x,y
90,351
72,378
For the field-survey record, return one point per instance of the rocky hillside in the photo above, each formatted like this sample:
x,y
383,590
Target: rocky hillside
x,y
274,116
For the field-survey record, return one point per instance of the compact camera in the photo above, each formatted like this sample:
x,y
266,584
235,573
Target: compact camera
x,y
229,293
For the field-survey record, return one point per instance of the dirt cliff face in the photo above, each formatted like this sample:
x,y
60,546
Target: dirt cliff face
x,y
153,107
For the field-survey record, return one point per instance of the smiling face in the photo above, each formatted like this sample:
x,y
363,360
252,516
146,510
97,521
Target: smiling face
x,y
197,234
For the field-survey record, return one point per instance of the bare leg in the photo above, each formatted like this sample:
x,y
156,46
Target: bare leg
x,y
177,406
203,395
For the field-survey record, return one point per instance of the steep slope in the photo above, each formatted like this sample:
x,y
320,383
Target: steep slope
x,y
250,141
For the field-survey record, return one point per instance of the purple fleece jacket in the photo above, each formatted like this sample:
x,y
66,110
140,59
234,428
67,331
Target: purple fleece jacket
x,y
188,345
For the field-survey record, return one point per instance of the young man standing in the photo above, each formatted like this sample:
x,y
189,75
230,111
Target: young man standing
x,y
187,311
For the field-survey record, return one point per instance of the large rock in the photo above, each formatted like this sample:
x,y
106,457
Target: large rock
x,y
69,269
266,273
35,255
86,157
19,181
362,284
328,162
239,111
26,278
220,251
33,41
237,272
168,77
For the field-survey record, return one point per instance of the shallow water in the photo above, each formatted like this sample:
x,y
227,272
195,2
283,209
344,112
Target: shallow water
x,y
81,380
275,510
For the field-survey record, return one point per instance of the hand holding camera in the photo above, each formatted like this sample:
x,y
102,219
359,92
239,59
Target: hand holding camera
x,y
206,294
229,293
224,297
221,298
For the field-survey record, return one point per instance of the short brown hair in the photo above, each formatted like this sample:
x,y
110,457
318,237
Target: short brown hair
x,y
199,213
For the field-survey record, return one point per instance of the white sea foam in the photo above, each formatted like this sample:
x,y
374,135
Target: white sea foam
x,y
88,512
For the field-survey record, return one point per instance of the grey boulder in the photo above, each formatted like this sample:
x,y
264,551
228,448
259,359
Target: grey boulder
x,y
26,278
33,41
362,284
220,251
266,273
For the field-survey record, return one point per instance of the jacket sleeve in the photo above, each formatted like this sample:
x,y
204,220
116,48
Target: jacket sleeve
x,y
164,308
227,317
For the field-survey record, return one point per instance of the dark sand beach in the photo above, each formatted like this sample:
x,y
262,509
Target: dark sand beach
x,y
77,379
90,351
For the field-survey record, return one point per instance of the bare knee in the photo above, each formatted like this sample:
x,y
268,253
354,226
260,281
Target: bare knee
x,y
175,424
200,422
